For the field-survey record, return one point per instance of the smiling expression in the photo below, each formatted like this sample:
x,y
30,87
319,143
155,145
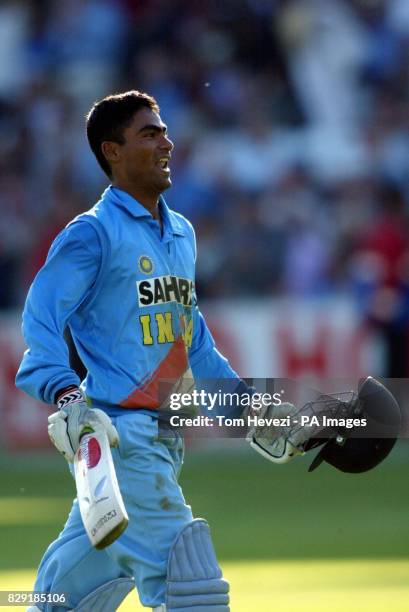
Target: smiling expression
x,y
142,159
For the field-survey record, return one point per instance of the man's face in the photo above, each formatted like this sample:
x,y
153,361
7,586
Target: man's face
x,y
144,156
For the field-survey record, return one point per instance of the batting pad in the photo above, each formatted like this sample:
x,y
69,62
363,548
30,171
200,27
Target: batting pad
x,y
107,597
194,582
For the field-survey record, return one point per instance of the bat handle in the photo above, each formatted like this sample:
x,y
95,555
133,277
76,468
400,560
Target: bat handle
x,y
87,430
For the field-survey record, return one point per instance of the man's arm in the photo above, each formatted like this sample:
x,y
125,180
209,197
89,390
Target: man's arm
x,y
205,360
65,281
212,372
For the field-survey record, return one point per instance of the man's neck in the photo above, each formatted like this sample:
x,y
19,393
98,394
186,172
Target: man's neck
x,y
148,201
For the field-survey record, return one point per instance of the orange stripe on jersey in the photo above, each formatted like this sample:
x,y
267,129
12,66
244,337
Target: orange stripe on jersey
x,y
153,393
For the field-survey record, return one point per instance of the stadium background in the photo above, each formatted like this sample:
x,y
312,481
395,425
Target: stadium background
x,y
291,127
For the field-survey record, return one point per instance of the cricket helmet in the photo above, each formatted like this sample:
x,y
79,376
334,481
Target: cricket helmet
x,y
348,452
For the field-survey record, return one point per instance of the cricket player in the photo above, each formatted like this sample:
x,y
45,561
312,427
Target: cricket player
x,y
121,277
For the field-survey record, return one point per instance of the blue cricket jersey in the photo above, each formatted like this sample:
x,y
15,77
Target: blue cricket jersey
x,y
126,291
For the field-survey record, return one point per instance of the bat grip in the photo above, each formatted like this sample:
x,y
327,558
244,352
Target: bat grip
x,y
87,429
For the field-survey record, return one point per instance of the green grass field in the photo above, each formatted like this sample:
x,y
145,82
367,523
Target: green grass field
x,y
273,586
286,539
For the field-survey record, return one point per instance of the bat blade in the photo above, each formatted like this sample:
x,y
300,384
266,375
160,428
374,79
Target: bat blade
x,y
100,501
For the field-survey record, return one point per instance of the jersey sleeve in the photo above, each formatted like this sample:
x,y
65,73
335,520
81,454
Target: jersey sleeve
x,y
212,372
204,358
61,286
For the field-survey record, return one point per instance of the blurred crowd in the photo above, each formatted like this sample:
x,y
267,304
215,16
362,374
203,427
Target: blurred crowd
x,y
291,127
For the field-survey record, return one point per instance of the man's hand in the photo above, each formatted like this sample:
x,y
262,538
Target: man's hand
x,y
281,443
73,419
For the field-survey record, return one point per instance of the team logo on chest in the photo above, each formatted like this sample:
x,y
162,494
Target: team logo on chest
x,y
145,264
164,289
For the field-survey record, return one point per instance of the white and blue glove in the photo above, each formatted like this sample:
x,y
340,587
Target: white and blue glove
x,y
278,444
73,419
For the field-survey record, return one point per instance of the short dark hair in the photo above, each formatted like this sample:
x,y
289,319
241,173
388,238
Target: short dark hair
x,y
109,117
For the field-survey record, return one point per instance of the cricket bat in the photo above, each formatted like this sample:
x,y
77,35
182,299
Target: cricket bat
x,y
100,501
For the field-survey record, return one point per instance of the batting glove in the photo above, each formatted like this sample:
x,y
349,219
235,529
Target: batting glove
x,y
73,419
281,443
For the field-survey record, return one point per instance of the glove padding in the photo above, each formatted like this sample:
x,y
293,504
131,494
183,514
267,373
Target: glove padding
x,y
278,444
281,443
73,419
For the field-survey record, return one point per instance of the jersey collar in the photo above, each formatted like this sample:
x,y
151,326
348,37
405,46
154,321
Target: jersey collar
x,y
133,207
170,219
